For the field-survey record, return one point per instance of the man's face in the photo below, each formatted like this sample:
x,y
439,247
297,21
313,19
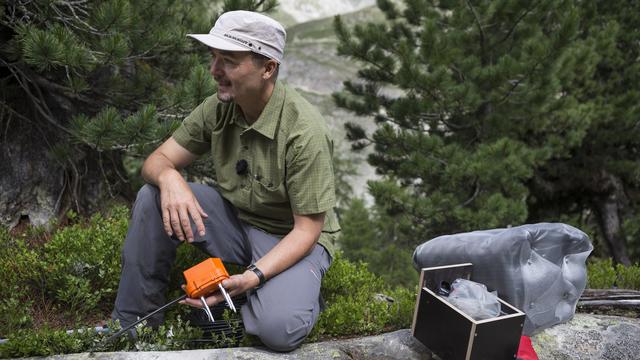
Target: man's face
x,y
236,73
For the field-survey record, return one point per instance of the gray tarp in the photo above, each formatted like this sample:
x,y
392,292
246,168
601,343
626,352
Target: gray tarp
x,y
538,268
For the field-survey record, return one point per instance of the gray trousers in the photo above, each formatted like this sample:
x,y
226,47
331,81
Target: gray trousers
x,y
281,313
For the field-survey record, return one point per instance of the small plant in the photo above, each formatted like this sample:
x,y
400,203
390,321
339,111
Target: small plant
x,y
601,274
628,276
349,291
45,342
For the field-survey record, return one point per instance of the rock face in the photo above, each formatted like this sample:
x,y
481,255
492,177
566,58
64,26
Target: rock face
x,y
584,337
590,337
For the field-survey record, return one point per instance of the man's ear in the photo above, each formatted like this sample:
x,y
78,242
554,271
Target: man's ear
x,y
270,67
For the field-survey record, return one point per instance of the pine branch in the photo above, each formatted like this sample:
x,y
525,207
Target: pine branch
x,y
514,26
69,21
515,84
481,30
476,191
401,125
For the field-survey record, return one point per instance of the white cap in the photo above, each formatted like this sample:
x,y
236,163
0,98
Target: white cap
x,y
246,31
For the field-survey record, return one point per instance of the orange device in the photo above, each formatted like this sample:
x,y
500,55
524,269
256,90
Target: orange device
x,y
204,278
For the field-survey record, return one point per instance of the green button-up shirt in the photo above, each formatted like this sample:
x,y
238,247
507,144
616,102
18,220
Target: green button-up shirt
x,y
288,151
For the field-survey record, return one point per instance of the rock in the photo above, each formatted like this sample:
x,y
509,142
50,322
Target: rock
x,y
590,337
584,337
395,345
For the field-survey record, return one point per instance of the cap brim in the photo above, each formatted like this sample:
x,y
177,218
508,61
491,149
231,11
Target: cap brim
x,y
217,42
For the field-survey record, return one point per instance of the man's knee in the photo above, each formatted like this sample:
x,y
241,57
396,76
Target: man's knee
x,y
284,332
147,197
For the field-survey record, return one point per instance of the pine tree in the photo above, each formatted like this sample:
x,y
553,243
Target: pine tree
x,y
88,88
470,103
371,236
598,179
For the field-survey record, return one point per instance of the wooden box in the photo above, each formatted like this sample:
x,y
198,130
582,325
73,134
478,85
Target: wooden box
x,y
452,334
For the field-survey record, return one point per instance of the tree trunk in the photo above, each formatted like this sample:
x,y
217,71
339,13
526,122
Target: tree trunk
x,y
30,182
607,208
37,187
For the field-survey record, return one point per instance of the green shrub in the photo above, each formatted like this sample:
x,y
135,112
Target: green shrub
x,y
176,335
600,274
354,305
75,270
22,273
14,313
87,256
45,342
628,276
346,278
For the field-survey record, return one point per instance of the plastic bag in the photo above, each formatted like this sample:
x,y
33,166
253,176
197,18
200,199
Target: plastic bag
x,y
538,268
474,299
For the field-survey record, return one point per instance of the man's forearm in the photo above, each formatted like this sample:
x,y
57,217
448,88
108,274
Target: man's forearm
x,y
287,252
155,167
177,202
165,162
291,249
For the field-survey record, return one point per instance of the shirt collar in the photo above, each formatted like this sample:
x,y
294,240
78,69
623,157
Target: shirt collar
x,y
267,123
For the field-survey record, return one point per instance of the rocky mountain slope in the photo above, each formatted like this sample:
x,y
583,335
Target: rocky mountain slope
x,y
313,67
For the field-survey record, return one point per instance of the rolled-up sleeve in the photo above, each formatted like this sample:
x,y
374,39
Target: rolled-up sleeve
x,y
194,134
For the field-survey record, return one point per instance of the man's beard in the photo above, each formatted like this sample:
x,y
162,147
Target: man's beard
x,y
225,98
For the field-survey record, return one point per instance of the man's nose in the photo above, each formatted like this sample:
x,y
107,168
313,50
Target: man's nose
x,y
216,68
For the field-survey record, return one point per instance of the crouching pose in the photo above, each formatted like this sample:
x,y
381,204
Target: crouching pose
x,y
272,208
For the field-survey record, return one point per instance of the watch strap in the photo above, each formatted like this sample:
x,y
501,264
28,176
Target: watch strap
x,y
259,274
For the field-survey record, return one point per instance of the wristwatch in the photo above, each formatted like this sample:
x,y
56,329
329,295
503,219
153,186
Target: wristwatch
x,y
259,274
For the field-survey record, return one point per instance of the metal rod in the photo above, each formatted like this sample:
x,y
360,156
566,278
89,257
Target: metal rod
x,y
206,309
227,298
122,331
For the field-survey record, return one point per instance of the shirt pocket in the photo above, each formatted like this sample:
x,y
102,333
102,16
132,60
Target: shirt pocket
x,y
269,194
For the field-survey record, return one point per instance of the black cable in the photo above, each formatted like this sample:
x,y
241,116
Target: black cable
x,y
122,331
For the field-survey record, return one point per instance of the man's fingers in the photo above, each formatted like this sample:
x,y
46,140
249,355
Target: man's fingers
x,y
191,302
211,301
166,221
234,285
175,224
186,225
214,299
200,210
195,215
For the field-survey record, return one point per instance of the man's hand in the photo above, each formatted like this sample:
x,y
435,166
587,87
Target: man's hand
x,y
176,198
178,206
235,285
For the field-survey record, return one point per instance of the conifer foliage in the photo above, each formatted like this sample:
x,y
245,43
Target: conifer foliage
x,y
478,104
90,85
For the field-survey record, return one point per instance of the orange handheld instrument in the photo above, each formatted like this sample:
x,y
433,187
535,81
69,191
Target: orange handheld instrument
x,y
205,278
202,279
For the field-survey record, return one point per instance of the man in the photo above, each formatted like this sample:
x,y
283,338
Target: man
x,y
272,208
